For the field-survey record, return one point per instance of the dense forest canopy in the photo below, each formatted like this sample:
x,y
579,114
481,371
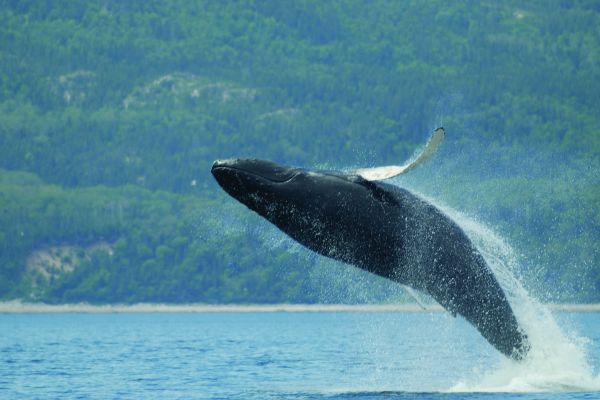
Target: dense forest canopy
x,y
112,112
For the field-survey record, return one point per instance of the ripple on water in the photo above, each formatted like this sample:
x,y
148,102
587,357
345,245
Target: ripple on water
x,y
272,356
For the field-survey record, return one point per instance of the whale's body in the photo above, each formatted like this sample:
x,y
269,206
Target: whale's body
x,y
383,229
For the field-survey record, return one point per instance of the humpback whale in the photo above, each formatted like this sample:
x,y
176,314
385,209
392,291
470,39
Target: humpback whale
x,y
355,218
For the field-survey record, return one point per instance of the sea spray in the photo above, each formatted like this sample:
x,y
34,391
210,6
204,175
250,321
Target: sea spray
x,y
556,361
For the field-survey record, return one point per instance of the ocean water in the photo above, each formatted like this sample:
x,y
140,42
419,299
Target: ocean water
x,y
285,355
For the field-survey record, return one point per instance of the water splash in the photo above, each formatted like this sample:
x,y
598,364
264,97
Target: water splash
x,y
557,361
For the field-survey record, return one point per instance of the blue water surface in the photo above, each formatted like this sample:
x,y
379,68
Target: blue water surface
x,y
400,355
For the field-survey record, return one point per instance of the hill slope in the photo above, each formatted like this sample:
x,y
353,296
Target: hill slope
x,y
111,114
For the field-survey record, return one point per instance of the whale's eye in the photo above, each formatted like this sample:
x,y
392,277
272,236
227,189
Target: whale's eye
x,y
265,169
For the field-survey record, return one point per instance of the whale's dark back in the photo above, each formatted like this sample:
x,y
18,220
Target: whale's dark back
x,y
444,263
404,238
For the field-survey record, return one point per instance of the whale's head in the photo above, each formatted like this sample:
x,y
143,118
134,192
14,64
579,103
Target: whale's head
x,y
258,184
280,193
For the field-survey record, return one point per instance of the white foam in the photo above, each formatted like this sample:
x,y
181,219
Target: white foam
x,y
557,361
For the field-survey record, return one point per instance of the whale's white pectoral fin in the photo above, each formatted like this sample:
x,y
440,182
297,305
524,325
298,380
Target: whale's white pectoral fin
x,y
381,173
430,148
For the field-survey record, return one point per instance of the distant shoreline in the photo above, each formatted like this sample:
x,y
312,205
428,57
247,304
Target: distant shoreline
x,y
16,307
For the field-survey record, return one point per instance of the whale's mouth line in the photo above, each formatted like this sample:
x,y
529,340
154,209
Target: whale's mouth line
x,y
252,173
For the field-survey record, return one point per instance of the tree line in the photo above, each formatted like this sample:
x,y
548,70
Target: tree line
x,y
111,114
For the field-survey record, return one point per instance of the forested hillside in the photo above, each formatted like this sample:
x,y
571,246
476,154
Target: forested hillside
x,y
112,112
